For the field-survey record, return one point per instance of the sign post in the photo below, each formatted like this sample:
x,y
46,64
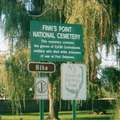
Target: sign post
x,y
41,83
73,84
41,92
74,109
73,81
54,42
41,109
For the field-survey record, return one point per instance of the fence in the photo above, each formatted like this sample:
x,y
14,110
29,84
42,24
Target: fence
x,y
33,105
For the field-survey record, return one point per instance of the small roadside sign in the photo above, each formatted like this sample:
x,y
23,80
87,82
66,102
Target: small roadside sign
x,y
41,88
41,67
73,84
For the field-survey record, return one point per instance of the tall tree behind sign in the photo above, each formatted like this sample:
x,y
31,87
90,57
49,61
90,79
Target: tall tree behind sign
x,y
95,15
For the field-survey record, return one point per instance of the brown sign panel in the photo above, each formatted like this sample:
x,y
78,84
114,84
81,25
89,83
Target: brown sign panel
x,y
41,67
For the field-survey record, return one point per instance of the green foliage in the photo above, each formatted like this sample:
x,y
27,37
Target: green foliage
x,y
2,91
94,90
116,13
38,6
111,78
0,7
96,16
16,21
19,79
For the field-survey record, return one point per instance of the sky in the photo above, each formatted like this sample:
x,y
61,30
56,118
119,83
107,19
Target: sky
x,y
3,42
110,59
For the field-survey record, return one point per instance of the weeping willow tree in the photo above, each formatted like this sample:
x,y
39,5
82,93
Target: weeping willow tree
x,y
111,78
53,12
94,15
19,80
97,20
16,21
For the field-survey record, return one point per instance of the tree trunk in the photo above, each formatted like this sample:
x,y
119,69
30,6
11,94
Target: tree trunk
x,y
51,103
117,112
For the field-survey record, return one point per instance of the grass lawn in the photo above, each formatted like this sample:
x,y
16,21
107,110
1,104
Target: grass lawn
x,y
62,115
85,116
